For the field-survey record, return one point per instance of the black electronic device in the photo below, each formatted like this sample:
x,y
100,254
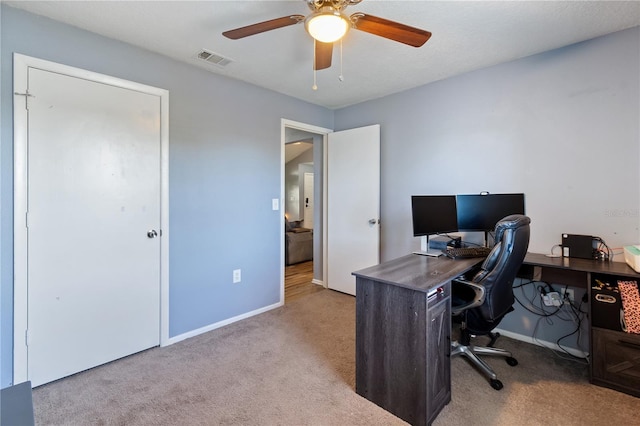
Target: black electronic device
x,y
455,242
433,214
467,252
481,212
606,304
580,246
444,241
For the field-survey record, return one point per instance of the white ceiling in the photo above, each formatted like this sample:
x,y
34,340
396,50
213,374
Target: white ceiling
x,y
467,35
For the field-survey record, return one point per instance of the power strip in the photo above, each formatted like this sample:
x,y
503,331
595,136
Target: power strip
x,y
552,299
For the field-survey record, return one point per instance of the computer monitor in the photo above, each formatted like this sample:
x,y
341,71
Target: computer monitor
x,y
432,214
481,212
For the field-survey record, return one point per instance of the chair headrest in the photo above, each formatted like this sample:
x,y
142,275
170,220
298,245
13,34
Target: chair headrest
x,y
513,221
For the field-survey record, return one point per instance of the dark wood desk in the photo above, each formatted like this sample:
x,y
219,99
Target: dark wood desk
x,y
614,355
573,271
403,334
403,330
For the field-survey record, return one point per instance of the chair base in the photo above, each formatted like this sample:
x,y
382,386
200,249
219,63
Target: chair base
x,y
471,353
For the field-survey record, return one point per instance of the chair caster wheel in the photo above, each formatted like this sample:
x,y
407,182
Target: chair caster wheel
x,y
496,384
512,361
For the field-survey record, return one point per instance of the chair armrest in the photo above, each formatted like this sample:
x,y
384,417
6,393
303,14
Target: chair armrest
x,y
478,299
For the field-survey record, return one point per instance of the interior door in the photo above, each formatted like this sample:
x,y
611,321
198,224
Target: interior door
x,y
353,204
93,224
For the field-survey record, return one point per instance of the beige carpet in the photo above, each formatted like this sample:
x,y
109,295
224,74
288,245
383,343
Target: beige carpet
x,y
295,366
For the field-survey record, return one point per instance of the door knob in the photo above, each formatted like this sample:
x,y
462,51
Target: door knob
x,y
152,233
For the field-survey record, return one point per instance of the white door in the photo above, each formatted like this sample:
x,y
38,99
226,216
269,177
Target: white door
x,y
353,204
93,242
308,200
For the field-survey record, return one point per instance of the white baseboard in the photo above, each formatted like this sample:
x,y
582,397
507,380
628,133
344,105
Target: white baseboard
x,y
538,342
219,324
318,282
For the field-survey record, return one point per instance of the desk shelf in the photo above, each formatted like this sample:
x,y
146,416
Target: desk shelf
x,y
615,355
615,361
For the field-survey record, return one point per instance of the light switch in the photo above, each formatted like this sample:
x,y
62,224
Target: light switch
x,y
275,204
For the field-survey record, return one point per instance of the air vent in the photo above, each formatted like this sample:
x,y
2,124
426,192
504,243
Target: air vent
x,y
213,58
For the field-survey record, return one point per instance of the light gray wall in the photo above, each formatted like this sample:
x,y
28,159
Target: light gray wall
x,y
561,126
224,166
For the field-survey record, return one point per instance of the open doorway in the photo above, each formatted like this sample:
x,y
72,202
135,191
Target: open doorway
x,y
303,209
346,235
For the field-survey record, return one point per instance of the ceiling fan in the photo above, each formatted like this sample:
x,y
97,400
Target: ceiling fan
x,y
327,24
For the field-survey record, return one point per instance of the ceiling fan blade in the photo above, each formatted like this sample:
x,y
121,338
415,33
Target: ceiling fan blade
x,y
389,29
261,27
323,54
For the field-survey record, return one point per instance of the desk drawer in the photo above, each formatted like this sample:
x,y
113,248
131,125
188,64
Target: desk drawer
x,y
616,360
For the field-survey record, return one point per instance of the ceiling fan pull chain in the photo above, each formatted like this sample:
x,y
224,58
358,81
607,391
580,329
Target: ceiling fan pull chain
x,y
341,76
315,86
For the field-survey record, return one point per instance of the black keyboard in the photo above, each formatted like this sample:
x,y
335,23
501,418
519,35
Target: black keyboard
x,y
466,252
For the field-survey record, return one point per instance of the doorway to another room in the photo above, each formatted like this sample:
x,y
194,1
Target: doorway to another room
x,y
343,234
302,215
298,281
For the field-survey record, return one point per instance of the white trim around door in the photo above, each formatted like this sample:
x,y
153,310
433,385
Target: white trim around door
x,y
21,64
320,131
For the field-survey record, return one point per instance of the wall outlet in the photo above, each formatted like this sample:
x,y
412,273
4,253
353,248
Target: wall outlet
x,y
552,299
567,294
237,275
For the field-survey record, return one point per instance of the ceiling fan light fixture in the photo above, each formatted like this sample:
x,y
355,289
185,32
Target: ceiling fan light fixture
x,y
327,25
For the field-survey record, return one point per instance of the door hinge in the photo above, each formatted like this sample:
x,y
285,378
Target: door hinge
x,y
26,219
26,95
27,338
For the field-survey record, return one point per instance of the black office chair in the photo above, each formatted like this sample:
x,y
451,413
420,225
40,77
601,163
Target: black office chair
x,y
481,302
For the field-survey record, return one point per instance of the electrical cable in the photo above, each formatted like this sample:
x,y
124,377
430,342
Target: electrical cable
x,y
558,354
555,255
541,312
567,312
579,314
577,330
601,253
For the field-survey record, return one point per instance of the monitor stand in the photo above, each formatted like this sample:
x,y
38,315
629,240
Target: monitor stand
x,y
424,248
486,238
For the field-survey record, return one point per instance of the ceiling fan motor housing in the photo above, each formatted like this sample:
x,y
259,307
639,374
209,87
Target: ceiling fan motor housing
x,y
338,5
327,24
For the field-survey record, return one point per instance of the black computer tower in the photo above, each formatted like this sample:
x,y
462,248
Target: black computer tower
x,y
580,246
